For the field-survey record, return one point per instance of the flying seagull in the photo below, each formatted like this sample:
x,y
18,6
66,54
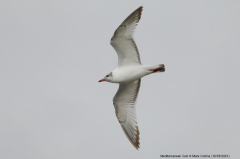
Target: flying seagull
x,y
128,74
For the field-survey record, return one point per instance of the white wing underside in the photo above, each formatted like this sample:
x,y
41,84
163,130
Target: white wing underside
x,y
123,42
124,103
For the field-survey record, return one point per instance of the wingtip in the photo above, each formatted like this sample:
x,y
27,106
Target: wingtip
x,y
135,15
135,142
140,9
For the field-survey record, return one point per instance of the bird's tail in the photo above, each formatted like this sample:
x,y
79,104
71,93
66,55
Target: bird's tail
x,y
162,68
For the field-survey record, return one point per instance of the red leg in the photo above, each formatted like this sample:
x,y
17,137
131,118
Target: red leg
x,y
156,69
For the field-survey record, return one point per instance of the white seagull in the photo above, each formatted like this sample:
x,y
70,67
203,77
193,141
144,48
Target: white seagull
x,y
128,74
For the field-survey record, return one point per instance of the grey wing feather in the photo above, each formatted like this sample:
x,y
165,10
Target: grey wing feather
x,y
124,102
123,42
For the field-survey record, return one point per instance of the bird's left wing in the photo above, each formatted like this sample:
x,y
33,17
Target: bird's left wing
x,y
124,103
123,42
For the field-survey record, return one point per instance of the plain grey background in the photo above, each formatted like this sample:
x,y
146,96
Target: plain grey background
x,y
52,54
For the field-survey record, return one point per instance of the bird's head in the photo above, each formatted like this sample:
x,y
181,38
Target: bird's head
x,y
107,78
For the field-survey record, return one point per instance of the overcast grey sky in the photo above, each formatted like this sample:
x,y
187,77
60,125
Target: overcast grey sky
x,y
52,54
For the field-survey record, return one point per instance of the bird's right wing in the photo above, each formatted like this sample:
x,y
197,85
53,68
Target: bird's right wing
x,y
123,42
124,103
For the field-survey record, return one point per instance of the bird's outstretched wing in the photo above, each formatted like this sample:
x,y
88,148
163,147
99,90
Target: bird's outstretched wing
x,y
123,42
124,103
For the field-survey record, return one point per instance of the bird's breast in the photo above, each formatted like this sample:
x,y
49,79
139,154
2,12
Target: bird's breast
x,y
127,74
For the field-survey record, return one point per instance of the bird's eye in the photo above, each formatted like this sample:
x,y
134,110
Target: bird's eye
x,y
107,75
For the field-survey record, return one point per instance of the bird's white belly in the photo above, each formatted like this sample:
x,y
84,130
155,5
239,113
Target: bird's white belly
x,y
127,74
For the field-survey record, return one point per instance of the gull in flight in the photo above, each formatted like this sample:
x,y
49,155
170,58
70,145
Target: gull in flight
x,y
128,74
